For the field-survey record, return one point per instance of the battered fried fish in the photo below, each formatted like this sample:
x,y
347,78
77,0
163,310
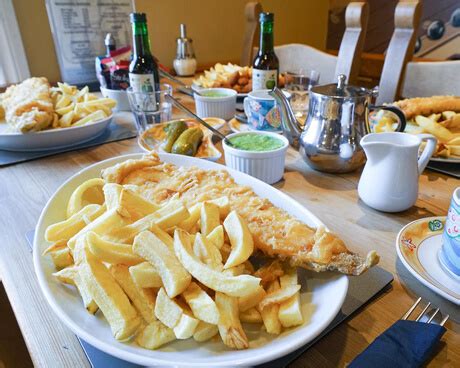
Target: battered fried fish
x,y
275,232
428,105
28,106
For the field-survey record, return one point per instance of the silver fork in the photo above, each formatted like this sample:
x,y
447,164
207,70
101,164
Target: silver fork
x,y
417,302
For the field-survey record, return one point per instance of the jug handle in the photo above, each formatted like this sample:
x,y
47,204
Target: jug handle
x,y
395,110
427,152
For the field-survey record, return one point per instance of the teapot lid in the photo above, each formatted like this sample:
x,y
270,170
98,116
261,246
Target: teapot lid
x,y
340,89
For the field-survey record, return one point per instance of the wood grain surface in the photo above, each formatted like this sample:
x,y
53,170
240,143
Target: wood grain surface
x,y
26,187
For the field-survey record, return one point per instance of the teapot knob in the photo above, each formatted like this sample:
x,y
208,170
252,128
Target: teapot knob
x,y
341,78
375,91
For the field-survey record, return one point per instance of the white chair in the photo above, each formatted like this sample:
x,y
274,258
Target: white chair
x,y
296,56
431,78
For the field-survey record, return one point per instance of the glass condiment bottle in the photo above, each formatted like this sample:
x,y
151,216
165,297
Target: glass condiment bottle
x,y
265,68
185,62
143,69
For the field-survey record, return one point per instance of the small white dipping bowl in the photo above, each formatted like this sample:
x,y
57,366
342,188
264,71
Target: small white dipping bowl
x,y
118,95
267,166
221,107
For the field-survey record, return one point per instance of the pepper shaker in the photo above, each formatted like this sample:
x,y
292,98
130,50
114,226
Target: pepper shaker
x,y
185,62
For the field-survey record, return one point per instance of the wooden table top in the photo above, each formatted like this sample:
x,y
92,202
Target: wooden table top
x,y
26,187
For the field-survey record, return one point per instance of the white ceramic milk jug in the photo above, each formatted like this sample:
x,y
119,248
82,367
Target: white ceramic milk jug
x,y
389,181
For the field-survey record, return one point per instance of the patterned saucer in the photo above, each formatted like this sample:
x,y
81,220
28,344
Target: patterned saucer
x,y
418,245
237,126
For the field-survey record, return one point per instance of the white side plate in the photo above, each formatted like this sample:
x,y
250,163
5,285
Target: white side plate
x,y
418,244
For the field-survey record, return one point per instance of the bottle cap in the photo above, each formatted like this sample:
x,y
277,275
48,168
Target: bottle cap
x,y
266,17
183,31
137,17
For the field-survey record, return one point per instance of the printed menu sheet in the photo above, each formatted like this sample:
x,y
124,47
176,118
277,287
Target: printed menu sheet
x,y
79,28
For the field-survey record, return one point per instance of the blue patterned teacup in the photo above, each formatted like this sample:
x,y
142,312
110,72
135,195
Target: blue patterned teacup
x,y
449,254
262,112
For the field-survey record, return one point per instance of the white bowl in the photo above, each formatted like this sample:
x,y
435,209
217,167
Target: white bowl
x,y
267,166
221,107
51,139
118,95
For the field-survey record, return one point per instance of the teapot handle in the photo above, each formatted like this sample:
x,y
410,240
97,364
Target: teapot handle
x,y
427,151
395,110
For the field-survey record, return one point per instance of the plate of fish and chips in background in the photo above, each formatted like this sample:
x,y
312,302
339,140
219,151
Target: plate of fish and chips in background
x,y
436,115
35,116
238,78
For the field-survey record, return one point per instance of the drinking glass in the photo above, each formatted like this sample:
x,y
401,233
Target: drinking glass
x,y
298,84
150,108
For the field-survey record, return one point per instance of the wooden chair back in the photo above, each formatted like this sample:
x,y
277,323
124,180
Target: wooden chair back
x,y
400,49
351,47
431,78
251,32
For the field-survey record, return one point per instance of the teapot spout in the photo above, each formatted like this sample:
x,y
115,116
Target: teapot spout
x,y
289,124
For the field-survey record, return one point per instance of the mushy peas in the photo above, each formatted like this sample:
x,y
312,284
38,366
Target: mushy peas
x,y
256,142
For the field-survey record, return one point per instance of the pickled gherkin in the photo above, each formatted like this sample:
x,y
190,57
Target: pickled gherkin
x,y
188,142
175,129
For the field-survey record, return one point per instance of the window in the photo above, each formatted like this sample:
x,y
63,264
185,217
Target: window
x,y
13,62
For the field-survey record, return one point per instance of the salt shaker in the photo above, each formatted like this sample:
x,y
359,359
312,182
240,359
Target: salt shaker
x,y
185,62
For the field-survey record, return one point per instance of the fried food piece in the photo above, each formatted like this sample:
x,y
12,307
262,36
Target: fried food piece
x,y
167,310
231,285
109,296
204,331
252,315
111,252
428,105
70,276
201,304
270,313
279,296
28,105
186,326
229,325
251,300
290,313
173,275
66,229
60,254
275,232
145,275
155,335
270,272
143,299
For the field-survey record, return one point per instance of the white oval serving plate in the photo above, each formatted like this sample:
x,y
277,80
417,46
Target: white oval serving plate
x,y
322,294
52,138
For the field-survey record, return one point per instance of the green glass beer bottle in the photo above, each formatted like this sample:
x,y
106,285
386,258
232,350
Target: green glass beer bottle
x,y
265,67
143,69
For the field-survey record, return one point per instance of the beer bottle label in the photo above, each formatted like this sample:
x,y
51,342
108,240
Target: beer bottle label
x,y
142,82
264,79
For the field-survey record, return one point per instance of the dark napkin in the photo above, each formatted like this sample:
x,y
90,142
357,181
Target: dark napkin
x,y
406,344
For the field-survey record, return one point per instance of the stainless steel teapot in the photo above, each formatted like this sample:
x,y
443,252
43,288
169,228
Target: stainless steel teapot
x,y
337,120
